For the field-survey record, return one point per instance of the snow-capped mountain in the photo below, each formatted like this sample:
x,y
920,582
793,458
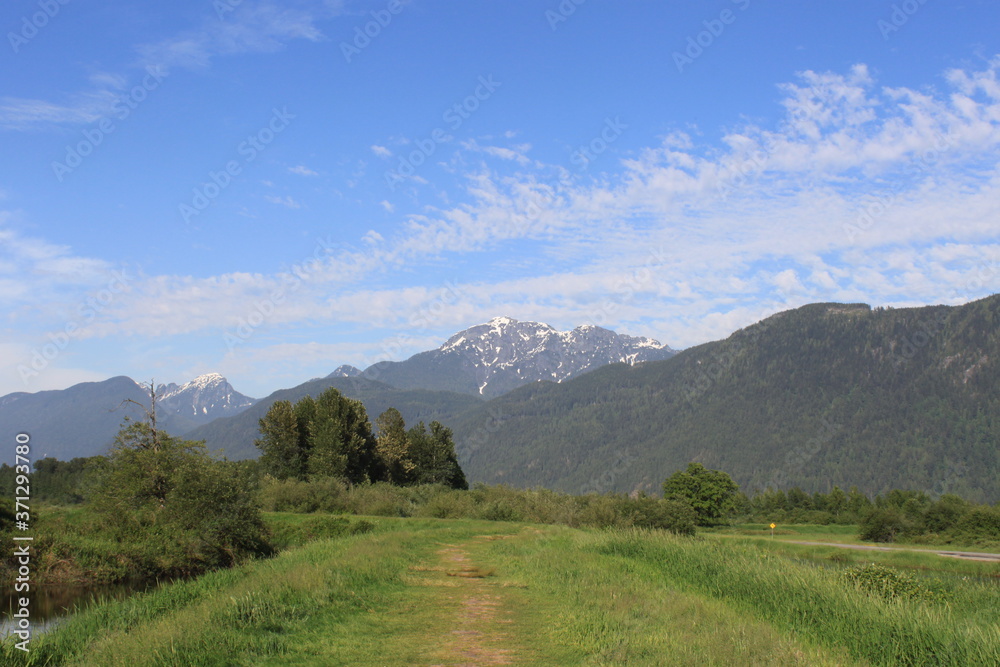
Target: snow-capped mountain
x,y
82,420
202,399
493,358
345,371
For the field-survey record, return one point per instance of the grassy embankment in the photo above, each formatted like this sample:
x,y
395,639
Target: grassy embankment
x,y
426,591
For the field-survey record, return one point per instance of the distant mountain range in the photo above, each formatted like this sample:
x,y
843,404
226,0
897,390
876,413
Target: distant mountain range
x,y
820,395
482,361
491,359
824,394
83,420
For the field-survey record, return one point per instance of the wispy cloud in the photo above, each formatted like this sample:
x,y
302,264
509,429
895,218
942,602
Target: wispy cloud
x,y
24,114
252,27
683,241
286,201
302,170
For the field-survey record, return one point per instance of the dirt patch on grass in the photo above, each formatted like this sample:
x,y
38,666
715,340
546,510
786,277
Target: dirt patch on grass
x,y
478,632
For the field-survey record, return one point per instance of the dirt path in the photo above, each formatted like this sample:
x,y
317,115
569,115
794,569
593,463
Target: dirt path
x,y
480,630
967,555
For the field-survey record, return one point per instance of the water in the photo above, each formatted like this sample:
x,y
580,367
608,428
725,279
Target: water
x,y
51,605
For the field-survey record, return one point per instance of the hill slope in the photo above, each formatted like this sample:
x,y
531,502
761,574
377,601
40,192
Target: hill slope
x,y
821,395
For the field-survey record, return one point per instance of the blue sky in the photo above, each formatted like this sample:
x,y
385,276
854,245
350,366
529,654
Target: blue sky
x,y
261,189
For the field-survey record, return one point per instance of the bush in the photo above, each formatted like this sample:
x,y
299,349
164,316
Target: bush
x,y
500,511
202,512
291,495
980,523
674,515
883,525
887,583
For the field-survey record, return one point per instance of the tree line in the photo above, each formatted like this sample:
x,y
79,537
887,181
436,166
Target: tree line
x,y
330,437
165,506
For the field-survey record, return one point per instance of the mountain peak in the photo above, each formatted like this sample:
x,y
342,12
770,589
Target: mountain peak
x,y
345,371
505,353
205,396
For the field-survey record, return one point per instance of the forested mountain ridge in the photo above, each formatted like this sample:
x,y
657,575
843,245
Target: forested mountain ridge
x,y
821,395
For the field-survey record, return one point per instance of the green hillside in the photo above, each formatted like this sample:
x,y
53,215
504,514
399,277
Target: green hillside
x,y
822,395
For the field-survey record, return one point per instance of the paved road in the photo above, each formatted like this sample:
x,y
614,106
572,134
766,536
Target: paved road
x,y
968,555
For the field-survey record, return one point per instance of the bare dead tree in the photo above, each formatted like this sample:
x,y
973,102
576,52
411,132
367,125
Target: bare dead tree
x,y
150,413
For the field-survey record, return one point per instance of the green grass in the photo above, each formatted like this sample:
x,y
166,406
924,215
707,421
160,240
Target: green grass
x,y
905,556
395,591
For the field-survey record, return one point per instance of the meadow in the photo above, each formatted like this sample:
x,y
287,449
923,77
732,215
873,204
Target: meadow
x,y
384,590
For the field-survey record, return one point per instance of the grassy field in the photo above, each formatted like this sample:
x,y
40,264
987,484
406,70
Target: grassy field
x,y
384,591
915,557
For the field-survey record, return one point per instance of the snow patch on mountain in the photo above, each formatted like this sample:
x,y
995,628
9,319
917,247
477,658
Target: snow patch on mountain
x,y
203,398
507,353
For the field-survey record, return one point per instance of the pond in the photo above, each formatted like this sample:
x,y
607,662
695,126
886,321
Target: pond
x,y
51,605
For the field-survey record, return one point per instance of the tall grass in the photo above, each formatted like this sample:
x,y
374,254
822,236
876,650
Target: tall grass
x,y
235,616
490,503
818,604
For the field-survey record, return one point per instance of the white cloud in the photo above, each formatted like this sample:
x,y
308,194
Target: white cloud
x,y
387,205
302,170
381,151
286,201
684,242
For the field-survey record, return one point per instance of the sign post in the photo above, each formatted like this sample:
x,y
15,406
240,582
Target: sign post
x,y
772,531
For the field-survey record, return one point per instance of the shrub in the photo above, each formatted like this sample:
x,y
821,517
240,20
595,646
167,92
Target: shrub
x,y
883,525
980,523
887,583
674,515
